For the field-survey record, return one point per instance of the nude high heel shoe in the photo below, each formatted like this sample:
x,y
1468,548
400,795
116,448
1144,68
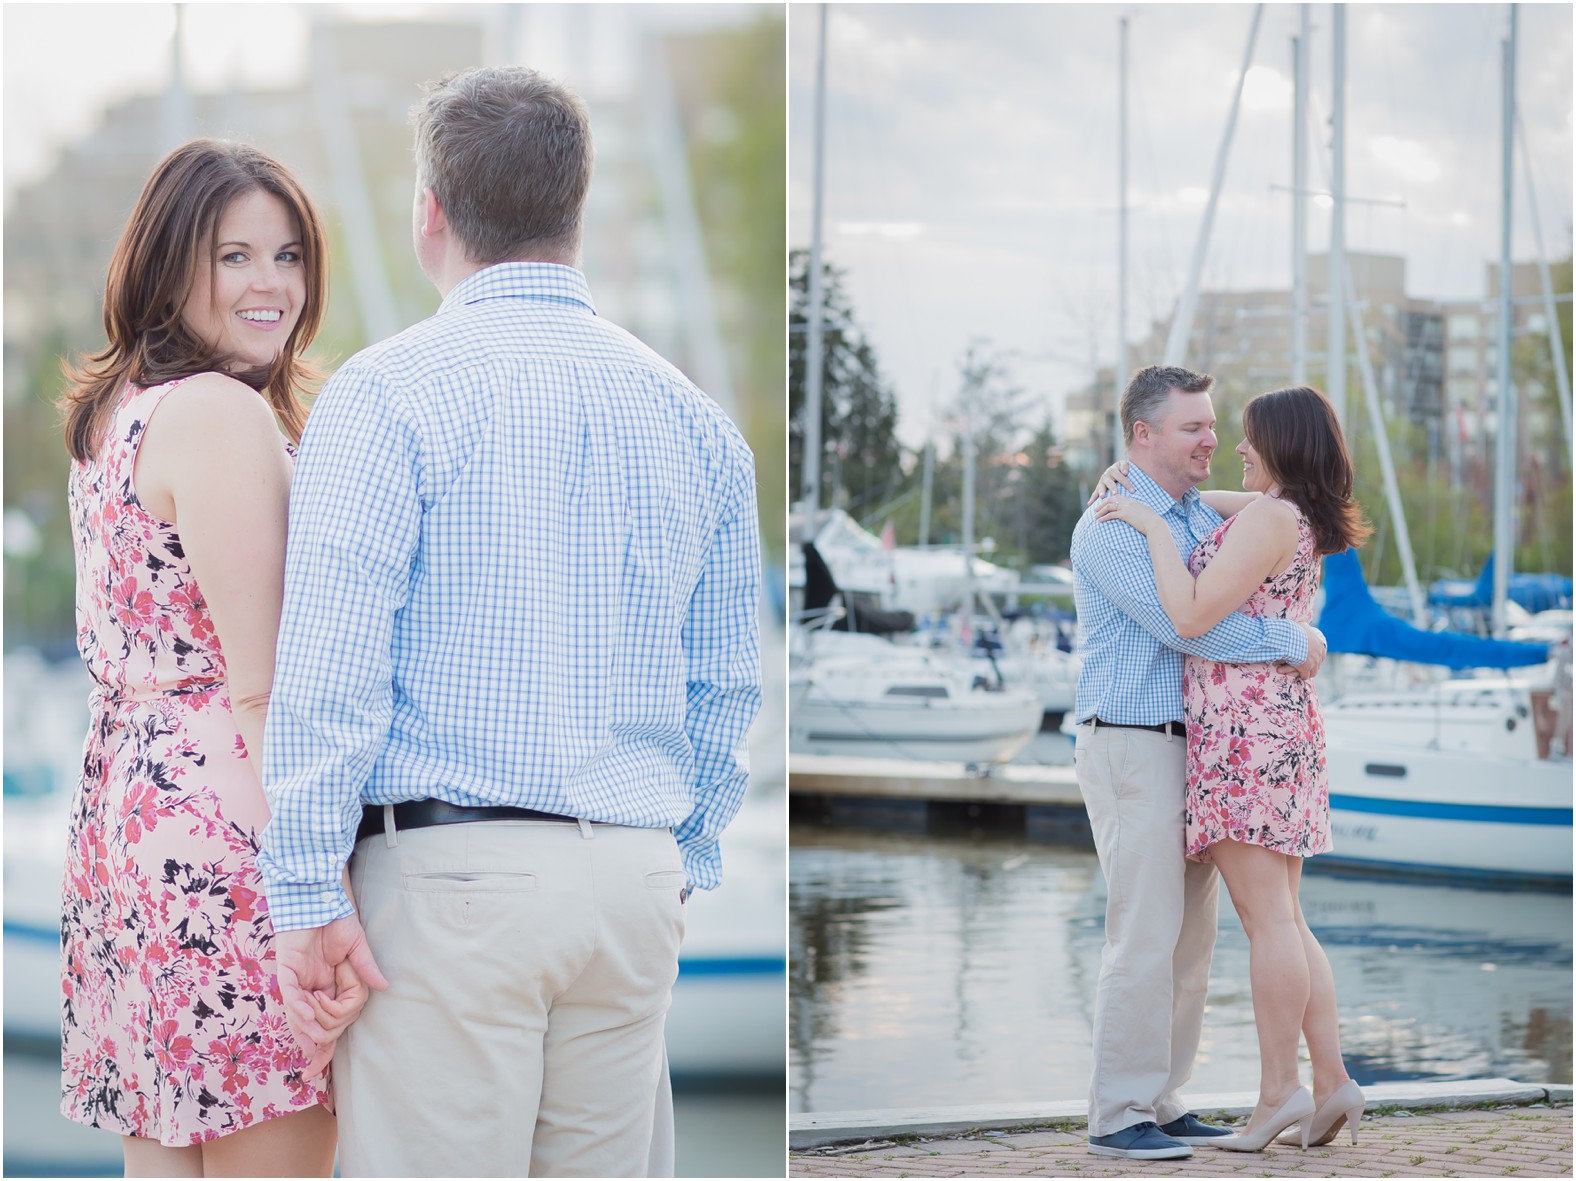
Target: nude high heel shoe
x,y
1296,1110
1344,1106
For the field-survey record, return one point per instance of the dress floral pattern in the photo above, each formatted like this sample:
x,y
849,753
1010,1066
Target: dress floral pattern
x,y
172,1023
1255,737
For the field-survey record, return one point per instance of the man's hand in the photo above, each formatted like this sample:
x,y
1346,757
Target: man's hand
x,y
324,972
1317,650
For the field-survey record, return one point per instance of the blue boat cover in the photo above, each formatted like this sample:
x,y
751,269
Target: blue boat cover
x,y
1353,622
1531,592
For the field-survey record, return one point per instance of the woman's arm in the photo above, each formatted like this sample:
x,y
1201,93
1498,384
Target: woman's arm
x,y
214,465
1226,502
1260,542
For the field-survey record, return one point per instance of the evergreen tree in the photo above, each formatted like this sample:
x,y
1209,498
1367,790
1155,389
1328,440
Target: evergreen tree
x,y
861,459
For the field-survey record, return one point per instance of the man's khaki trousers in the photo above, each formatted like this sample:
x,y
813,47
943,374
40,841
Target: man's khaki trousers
x,y
530,968
1160,916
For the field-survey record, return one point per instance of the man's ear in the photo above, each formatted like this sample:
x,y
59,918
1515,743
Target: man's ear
x,y
433,220
1140,431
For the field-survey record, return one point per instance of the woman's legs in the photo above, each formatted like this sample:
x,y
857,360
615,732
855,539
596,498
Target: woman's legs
x,y
1320,1021
148,1158
300,1144
1277,963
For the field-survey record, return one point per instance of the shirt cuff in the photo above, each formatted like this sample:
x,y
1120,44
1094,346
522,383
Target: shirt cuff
x,y
300,908
702,862
1296,640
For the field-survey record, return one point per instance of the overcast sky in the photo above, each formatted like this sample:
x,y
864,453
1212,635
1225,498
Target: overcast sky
x,y
971,164
65,63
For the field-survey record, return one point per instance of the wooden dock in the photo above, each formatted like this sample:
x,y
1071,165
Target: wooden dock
x,y
1037,801
839,777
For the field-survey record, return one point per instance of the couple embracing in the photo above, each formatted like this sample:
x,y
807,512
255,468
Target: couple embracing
x,y
1201,749
421,784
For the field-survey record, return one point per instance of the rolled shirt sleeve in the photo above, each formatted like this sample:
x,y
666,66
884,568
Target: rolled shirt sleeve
x,y
1116,559
722,640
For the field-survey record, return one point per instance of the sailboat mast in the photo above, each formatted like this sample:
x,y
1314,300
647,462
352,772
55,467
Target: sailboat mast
x,y
1505,457
1392,489
813,342
1120,377
1299,202
1562,377
968,500
1182,322
1335,350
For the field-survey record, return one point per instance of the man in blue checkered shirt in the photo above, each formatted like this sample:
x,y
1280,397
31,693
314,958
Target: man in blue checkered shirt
x,y
516,669
1130,759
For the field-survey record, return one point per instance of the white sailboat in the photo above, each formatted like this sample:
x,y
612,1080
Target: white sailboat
x,y
1461,778
863,696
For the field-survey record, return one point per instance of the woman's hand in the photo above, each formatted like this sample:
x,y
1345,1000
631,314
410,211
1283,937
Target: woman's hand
x,y
1113,478
1125,508
335,1013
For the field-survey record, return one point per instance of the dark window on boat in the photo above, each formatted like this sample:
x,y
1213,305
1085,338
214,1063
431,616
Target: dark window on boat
x,y
917,691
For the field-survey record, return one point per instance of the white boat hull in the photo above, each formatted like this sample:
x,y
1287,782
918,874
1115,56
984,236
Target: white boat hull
x,y
1451,813
990,731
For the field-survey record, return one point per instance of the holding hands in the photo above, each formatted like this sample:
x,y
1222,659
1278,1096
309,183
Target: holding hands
x,y
325,978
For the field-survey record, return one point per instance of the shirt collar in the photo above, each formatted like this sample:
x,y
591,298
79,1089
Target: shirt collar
x,y
547,282
1156,497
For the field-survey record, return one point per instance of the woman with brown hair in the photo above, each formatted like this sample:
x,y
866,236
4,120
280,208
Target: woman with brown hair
x,y
173,1032
1257,799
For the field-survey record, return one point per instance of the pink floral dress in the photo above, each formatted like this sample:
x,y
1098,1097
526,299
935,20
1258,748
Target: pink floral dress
x,y
1255,737
172,1025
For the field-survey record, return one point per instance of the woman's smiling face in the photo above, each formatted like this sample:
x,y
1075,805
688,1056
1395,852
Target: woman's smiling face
x,y
246,298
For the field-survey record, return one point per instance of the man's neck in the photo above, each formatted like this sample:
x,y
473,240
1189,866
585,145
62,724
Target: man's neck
x,y
457,271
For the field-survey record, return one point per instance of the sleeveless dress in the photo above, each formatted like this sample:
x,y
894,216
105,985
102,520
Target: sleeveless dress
x,y
1255,737
172,1022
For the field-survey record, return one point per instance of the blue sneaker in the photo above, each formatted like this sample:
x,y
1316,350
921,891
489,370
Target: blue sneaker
x,y
1189,1129
1143,1141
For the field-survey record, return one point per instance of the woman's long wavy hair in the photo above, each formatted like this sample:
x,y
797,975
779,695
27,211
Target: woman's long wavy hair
x,y
1299,442
173,231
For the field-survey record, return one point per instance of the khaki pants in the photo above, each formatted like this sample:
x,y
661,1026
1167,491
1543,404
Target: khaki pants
x,y
1159,927
530,968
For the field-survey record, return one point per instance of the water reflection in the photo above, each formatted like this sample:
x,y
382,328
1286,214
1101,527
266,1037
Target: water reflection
x,y
935,969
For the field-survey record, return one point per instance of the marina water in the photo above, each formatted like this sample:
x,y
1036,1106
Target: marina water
x,y
949,965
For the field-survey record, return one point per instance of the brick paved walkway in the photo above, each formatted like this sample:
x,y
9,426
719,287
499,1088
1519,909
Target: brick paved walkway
x,y
1503,1142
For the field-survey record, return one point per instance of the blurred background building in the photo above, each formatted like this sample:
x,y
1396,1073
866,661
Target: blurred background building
x,y
1434,359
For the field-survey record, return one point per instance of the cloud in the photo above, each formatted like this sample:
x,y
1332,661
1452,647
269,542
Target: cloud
x,y
895,230
1406,158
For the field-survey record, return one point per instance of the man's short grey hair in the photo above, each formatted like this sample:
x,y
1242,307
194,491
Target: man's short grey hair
x,y
1145,396
508,153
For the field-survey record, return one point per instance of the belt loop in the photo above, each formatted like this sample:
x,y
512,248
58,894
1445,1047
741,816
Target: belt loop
x,y
1094,723
390,832
585,828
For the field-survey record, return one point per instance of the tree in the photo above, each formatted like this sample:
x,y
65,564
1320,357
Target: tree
x,y
859,446
1024,499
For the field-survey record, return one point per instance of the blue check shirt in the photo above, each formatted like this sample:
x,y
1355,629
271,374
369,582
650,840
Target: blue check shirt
x,y
523,568
1132,655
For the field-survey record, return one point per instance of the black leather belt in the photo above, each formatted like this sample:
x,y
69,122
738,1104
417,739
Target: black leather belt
x,y
426,813
1176,728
